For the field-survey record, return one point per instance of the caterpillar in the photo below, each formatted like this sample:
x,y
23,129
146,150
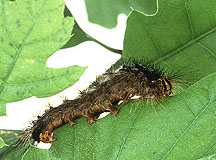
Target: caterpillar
x,y
131,79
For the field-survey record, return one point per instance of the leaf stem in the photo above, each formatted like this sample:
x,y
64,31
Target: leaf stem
x,y
118,51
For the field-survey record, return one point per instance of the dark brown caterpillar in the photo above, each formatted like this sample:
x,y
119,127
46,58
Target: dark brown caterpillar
x,y
129,81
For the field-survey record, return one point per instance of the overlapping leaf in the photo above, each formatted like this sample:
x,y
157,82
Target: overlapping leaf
x,y
105,12
80,36
30,32
1,143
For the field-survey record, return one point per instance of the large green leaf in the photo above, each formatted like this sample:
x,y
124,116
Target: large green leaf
x,y
105,12
182,36
182,127
30,32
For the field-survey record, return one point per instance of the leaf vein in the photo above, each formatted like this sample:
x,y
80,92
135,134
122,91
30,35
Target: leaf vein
x,y
153,40
23,43
208,150
44,39
207,49
123,143
189,20
184,132
186,45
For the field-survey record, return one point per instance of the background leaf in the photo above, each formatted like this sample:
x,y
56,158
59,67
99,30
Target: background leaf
x,y
28,38
80,36
9,138
109,10
1,143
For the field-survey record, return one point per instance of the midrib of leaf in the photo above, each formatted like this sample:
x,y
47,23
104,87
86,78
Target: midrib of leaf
x,y
189,43
18,51
124,140
184,132
206,154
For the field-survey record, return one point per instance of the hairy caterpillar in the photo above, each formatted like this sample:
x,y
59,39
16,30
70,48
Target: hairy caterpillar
x,y
130,80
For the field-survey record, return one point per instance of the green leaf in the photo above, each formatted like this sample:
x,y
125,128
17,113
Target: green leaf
x,y
30,32
2,144
211,157
9,138
184,41
105,12
179,128
80,36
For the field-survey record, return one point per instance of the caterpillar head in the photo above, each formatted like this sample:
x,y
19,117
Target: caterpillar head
x,y
162,87
46,137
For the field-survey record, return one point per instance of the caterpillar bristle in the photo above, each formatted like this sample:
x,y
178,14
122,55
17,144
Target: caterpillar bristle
x,y
64,99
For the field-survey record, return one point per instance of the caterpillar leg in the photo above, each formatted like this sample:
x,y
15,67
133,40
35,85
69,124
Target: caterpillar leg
x,y
111,108
128,97
71,122
90,118
67,117
138,99
114,110
156,100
